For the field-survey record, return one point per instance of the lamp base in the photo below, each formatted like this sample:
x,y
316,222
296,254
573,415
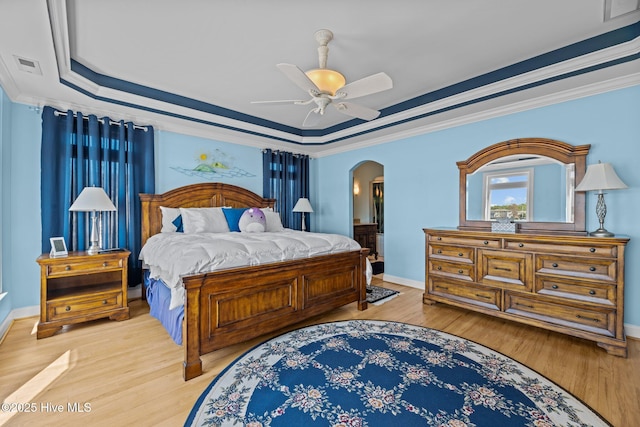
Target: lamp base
x,y
601,232
94,248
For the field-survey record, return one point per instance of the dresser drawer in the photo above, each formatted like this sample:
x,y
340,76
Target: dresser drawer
x,y
64,308
83,267
600,321
594,293
597,250
593,269
509,270
452,253
454,270
465,241
471,294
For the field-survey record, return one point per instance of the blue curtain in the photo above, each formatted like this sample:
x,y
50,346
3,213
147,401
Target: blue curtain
x,y
86,151
286,179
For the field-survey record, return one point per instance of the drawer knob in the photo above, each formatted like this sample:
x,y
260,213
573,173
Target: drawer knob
x,y
67,308
67,267
104,302
460,271
521,245
439,238
104,264
554,265
592,269
439,268
460,254
592,250
592,292
439,251
555,286
486,242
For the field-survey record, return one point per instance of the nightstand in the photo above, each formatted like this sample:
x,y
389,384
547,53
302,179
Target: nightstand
x,y
81,287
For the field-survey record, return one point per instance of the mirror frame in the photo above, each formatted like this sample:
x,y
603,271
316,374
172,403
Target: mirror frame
x,y
558,150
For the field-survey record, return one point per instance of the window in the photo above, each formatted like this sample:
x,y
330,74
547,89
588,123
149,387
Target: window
x,y
508,195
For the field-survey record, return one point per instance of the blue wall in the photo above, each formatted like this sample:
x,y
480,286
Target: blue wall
x,y
177,155
421,182
421,177
21,135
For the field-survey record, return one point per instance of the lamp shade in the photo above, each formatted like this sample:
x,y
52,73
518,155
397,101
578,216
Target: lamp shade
x,y
92,199
600,176
303,205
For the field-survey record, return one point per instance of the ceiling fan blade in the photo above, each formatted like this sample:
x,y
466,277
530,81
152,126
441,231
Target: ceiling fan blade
x,y
312,119
297,76
355,110
282,101
366,86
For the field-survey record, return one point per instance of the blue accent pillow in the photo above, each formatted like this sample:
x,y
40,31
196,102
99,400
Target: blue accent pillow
x,y
178,223
233,217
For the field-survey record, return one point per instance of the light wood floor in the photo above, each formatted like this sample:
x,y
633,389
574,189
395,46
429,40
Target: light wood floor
x,y
129,373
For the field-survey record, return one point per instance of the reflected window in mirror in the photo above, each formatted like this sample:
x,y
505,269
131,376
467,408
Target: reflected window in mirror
x,y
507,195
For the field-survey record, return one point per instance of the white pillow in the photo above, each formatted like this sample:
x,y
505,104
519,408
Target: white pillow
x,y
168,216
273,220
203,220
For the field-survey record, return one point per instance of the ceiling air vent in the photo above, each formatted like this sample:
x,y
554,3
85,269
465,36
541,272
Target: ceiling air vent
x,y
28,65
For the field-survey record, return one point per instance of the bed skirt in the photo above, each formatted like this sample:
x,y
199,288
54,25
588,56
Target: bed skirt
x,y
158,298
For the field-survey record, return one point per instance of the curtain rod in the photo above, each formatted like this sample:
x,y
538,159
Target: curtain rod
x,y
111,122
264,150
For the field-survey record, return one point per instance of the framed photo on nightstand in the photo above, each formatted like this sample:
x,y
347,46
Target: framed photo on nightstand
x,y
58,247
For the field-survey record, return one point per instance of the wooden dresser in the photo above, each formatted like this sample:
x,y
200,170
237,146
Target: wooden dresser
x,y
366,234
568,284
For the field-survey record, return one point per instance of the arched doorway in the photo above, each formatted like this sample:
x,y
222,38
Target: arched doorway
x,y
368,207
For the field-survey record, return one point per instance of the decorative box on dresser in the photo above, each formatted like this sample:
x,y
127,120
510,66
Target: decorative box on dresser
x,y
81,287
565,283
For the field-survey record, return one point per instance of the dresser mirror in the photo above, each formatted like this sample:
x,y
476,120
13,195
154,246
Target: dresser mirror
x,y
529,181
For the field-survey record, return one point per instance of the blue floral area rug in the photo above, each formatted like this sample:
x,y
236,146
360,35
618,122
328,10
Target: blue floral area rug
x,y
375,373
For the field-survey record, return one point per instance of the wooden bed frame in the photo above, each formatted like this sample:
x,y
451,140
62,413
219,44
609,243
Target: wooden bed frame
x,y
234,305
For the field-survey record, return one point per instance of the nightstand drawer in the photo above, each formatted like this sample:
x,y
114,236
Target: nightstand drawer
x,y
78,306
83,267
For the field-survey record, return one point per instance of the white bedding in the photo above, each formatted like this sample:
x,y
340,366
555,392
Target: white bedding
x,y
168,256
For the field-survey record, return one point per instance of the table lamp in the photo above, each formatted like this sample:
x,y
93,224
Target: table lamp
x,y
599,177
303,206
94,200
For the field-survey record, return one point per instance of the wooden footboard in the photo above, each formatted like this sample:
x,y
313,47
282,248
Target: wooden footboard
x,y
231,306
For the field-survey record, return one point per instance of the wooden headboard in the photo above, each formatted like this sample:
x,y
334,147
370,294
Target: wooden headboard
x,y
211,194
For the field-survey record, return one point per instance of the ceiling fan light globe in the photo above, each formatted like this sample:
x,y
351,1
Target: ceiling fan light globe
x,y
328,81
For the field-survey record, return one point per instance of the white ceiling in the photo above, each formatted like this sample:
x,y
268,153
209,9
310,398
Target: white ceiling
x,y
194,66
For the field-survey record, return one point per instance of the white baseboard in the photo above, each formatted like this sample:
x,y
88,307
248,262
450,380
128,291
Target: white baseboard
x,y
18,313
402,281
632,331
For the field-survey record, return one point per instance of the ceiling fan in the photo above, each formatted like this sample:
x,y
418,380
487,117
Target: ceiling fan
x,y
327,87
